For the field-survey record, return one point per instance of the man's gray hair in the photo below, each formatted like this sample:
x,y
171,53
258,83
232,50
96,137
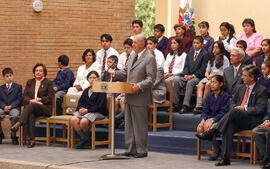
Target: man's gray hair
x,y
239,50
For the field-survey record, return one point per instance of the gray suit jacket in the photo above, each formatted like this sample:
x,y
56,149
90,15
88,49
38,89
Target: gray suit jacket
x,y
230,82
142,72
159,87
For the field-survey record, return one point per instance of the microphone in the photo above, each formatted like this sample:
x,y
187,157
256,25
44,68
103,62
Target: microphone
x,y
106,75
113,62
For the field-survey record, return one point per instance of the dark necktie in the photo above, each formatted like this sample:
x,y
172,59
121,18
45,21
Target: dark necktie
x,y
195,57
127,58
135,59
8,87
172,64
104,60
245,97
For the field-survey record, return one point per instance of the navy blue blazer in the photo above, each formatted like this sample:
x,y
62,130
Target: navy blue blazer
x,y
162,45
96,103
12,97
260,60
198,67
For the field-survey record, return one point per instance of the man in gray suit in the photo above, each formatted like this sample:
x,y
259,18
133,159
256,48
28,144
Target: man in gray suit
x,y
232,74
140,70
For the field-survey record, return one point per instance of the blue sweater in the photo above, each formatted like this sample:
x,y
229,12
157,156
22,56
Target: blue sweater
x,y
64,79
208,43
215,107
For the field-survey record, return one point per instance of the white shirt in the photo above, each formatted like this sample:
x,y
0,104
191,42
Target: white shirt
x,y
81,78
179,63
237,68
100,55
140,54
230,45
159,58
9,85
122,59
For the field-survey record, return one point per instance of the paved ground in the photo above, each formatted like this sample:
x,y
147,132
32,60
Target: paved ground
x,y
58,156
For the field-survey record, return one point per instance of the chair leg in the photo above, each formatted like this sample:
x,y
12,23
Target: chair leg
x,y
109,135
154,118
64,131
72,137
93,146
255,153
68,135
251,150
198,149
238,145
48,135
150,119
171,117
54,133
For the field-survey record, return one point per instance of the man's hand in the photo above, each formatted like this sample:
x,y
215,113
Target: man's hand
x,y
240,107
265,125
188,77
135,88
167,75
55,88
78,87
6,109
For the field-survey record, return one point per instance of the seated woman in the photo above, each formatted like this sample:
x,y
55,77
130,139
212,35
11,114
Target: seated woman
x,y
215,107
37,101
91,106
216,65
81,82
264,79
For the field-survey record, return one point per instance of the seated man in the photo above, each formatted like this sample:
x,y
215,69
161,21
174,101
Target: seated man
x,y
261,135
233,73
10,102
246,111
194,69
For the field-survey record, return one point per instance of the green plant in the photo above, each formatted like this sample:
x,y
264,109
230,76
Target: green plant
x,y
145,11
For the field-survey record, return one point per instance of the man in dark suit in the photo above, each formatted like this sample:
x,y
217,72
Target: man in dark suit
x,y
247,110
194,70
10,102
232,74
162,40
140,70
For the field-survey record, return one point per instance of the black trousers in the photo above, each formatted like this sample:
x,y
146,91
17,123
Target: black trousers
x,y
28,116
234,121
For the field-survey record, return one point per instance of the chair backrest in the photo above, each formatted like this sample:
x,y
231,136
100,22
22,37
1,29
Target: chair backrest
x,y
70,102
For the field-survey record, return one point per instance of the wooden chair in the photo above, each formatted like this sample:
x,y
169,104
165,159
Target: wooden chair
x,y
153,112
69,102
41,119
242,135
106,121
6,120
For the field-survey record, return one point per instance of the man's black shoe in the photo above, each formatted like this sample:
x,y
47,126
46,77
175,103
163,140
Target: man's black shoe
x,y
197,110
127,154
262,162
175,108
266,166
15,141
81,144
223,162
140,155
208,135
184,109
1,137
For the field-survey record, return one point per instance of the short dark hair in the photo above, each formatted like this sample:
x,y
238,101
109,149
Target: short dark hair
x,y
43,67
128,42
267,41
252,71
153,39
160,27
181,26
228,26
205,23
199,38
139,22
220,79
7,70
250,22
114,58
267,63
87,51
243,43
108,37
92,72
64,60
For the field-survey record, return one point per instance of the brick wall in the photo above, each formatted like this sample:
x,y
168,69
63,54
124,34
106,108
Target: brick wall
x,y
62,27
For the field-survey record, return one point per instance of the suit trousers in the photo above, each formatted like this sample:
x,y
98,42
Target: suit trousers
x,y
13,117
28,116
262,140
234,121
136,128
180,83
